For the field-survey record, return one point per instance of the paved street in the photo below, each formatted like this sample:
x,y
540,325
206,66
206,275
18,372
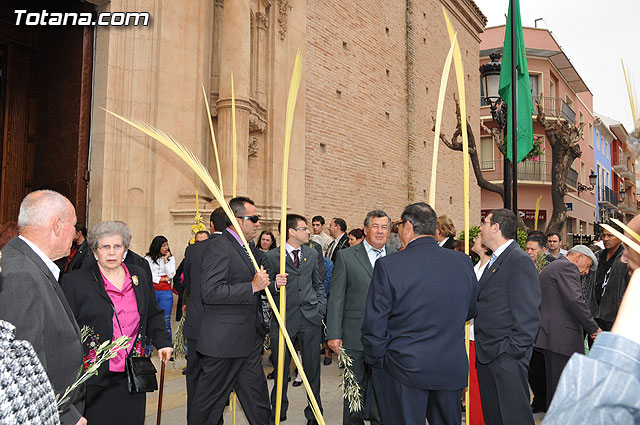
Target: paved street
x,y
175,398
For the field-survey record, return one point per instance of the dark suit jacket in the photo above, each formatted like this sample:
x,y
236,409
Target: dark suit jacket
x,y
508,302
305,289
352,275
563,312
76,262
92,307
230,322
343,243
418,302
31,300
449,243
192,286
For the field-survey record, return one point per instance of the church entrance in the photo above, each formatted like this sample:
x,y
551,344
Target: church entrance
x,y
45,105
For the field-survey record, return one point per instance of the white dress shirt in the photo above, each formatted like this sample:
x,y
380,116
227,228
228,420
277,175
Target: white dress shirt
x,y
478,269
443,241
373,256
162,268
55,270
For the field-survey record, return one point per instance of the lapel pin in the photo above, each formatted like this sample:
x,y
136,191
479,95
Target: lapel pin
x,y
305,258
134,278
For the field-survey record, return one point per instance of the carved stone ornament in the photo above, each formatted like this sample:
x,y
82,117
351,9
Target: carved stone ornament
x,y
253,147
256,122
284,7
262,21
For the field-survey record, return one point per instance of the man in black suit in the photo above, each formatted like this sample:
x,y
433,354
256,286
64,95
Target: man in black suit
x,y
232,331
195,308
337,229
31,298
506,324
305,310
564,313
413,330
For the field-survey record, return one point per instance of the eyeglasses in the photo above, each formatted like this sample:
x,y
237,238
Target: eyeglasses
x,y
301,228
253,218
110,247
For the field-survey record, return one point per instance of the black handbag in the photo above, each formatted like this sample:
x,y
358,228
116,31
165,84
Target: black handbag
x,y
141,375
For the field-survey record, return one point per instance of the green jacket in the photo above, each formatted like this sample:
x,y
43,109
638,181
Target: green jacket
x,y
352,275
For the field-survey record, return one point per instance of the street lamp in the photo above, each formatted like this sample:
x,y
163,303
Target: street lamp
x,y
489,85
489,96
592,182
623,194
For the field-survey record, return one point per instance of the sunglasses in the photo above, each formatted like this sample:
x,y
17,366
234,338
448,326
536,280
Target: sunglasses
x,y
253,218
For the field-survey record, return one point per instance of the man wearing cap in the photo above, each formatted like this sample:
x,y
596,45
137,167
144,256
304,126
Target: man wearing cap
x,y
564,313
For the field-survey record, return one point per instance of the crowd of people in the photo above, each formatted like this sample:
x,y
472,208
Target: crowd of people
x,y
394,296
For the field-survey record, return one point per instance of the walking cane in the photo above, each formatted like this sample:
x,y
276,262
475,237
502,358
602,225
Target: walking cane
x,y
160,394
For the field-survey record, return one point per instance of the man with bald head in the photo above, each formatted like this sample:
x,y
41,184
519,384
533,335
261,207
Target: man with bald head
x,y
31,298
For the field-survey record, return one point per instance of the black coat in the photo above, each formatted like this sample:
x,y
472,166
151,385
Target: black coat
x,y
192,267
418,302
92,307
508,303
232,317
342,243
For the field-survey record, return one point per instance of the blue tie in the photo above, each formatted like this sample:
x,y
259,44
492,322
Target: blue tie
x,y
493,258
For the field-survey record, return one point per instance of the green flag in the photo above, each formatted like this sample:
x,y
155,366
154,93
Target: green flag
x,y
525,105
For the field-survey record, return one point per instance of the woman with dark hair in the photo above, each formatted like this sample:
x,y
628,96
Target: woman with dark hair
x,y
356,236
266,241
163,269
111,300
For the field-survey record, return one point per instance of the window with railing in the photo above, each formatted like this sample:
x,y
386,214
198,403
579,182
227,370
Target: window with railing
x,y
486,153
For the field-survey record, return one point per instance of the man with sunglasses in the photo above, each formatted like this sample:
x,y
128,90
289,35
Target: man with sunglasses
x,y
306,308
232,331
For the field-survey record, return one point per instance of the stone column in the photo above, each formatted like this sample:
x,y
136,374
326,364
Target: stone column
x,y
235,56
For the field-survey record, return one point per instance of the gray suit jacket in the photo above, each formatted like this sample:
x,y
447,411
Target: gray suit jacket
x,y
563,312
32,300
305,289
352,275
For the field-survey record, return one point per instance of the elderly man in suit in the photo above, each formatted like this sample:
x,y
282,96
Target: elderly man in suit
x,y
306,307
507,323
564,313
232,331
349,286
31,298
413,329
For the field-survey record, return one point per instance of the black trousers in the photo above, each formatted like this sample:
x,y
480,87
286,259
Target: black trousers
x,y
309,337
504,391
362,371
537,380
219,376
194,367
554,365
404,405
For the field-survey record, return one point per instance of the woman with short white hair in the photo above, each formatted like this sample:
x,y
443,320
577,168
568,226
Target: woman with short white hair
x,y
112,300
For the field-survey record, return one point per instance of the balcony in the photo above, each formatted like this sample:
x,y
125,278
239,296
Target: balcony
x,y
527,171
558,108
553,107
620,162
607,197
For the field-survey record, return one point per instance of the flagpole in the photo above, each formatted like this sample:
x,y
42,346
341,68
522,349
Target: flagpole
x,y
514,114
